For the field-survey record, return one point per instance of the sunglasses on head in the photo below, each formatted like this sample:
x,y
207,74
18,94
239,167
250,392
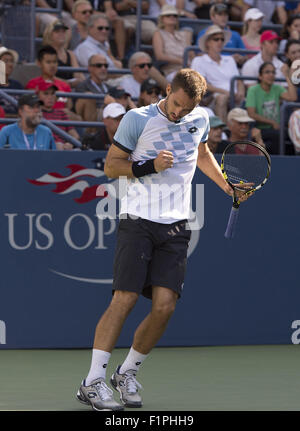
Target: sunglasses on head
x,y
102,27
99,65
84,12
143,65
217,39
153,91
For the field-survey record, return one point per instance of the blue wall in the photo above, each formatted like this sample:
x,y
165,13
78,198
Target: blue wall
x,y
242,291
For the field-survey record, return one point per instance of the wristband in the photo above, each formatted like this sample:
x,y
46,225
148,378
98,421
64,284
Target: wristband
x,y
143,167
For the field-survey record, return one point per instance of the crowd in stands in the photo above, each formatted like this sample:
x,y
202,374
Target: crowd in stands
x,y
97,37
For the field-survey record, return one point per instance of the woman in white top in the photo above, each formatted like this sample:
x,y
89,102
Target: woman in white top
x,y
169,42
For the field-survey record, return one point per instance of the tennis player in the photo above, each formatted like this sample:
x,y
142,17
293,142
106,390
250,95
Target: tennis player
x,y
157,147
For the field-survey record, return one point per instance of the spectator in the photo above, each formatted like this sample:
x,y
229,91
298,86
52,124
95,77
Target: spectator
x,y
47,60
10,58
150,93
219,15
263,102
238,123
169,42
27,133
291,30
218,69
117,24
44,19
253,20
185,8
55,36
140,64
127,10
119,95
215,142
294,130
274,11
81,12
97,42
269,47
46,93
102,140
91,109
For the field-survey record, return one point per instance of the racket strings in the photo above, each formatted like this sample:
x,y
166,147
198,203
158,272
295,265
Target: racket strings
x,y
246,169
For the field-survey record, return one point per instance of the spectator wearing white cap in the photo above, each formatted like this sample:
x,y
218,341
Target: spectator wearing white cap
x,y
169,42
102,140
269,8
238,124
218,69
269,46
253,21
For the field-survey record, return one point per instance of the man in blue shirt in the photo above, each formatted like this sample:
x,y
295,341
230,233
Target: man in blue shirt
x,y
219,15
27,132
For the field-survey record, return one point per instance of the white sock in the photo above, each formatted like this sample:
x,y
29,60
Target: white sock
x,y
98,366
133,361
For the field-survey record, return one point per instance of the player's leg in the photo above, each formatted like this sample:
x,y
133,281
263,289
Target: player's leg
x,y
167,268
133,253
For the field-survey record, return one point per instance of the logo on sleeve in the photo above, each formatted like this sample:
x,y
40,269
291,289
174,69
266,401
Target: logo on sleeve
x,y
192,129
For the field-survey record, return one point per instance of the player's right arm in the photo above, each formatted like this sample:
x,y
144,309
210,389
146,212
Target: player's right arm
x,y
117,163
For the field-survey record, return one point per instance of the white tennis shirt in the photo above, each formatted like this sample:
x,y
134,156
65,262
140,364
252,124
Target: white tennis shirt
x,y
143,132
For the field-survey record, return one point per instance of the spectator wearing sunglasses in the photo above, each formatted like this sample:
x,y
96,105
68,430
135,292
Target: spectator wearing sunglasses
x,y
97,42
90,109
169,42
140,64
81,12
219,15
150,93
218,70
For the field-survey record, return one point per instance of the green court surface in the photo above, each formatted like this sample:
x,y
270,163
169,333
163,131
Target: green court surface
x,y
230,378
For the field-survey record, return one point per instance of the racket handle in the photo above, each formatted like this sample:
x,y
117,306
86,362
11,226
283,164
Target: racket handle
x,y
232,223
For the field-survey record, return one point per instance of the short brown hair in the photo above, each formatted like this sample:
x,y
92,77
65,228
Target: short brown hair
x,y
192,83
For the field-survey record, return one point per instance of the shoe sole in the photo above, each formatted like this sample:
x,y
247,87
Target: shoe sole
x,y
116,388
88,403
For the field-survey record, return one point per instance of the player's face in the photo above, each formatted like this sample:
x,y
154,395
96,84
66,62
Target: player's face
x,y
177,104
49,64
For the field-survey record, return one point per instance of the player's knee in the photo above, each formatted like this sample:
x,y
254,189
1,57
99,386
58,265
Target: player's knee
x,y
164,310
124,301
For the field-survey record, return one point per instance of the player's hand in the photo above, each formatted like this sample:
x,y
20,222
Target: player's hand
x,y
163,161
241,194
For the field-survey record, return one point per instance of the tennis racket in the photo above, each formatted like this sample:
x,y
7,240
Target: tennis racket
x,y
246,166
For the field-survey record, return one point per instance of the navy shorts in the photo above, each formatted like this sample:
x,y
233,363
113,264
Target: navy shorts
x,y
150,254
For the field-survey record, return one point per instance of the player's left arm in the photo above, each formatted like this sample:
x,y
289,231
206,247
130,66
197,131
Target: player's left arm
x,y
209,166
207,163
